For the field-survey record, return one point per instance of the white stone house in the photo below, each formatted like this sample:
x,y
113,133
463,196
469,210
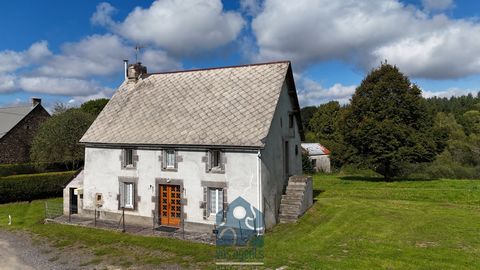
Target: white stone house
x,y
175,148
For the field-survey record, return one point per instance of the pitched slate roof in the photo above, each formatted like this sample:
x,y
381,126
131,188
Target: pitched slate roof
x,y
231,106
11,116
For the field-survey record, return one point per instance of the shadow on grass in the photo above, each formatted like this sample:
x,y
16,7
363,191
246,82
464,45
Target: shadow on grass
x,y
316,193
381,179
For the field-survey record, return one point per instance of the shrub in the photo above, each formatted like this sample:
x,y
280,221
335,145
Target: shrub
x,y
307,165
30,168
34,186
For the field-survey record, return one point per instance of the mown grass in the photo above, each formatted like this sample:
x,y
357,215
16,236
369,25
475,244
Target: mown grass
x,y
356,223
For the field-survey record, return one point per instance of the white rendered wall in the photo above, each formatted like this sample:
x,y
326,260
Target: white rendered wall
x,y
103,167
274,178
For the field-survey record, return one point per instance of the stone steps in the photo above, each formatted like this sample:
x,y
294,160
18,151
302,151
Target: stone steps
x,y
292,200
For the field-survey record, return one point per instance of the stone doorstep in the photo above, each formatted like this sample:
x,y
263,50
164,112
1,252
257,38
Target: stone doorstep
x,y
295,189
293,198
296,193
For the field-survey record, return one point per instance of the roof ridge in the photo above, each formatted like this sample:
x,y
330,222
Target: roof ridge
x,y
10,107
223,67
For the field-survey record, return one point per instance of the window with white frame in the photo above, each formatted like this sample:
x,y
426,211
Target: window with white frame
x,y
215,200
128,158
128,195
169,158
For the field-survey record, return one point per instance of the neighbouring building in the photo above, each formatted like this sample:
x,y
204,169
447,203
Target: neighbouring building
x,y
18,126
319,156
175,148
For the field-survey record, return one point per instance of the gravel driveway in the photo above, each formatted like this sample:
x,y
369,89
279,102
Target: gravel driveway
x,y
18,251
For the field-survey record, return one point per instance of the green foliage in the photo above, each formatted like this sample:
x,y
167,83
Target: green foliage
x,y
30,168
471,122
307,165
57,139
32,186
307,113
388,123
95,106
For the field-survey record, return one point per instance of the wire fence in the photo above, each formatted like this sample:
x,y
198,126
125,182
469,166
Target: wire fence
x,y
53,210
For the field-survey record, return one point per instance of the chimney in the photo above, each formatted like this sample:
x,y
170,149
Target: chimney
x,y
136,71
36,101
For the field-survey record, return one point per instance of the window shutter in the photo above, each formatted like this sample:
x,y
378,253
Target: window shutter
x,y
225,205
122,158
223,160
164,159
122,194
205,203
134,158
134,198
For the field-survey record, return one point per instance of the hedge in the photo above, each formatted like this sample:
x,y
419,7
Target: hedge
x,y
29,168
33,186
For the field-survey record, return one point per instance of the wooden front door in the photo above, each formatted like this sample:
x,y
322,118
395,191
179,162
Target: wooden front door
x,y
170,208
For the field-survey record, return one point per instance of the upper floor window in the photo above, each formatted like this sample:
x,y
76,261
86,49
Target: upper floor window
x,y
216,160
128,157
291,120
169,158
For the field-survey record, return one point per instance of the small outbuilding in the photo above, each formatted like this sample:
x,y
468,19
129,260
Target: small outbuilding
x,y
319,156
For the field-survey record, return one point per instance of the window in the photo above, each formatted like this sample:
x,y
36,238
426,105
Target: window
x,y
290,120
169,158
128,157
216,161
215,200
128,195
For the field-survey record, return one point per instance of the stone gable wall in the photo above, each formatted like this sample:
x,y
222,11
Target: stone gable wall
x,y
15,145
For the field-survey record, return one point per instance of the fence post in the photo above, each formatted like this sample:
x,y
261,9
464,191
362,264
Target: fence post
x,y
123,219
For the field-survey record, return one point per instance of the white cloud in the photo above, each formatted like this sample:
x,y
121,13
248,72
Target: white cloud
x,y
181,27
97,55
79,100
364,33
312,93
7,82
60,86
156,60
437,5
12,60
450,92
103,15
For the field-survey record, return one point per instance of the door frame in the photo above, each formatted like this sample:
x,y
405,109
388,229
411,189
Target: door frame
x,y
71,200
156,199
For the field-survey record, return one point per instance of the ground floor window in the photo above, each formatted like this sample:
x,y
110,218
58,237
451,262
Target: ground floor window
x,y
128,195
215,200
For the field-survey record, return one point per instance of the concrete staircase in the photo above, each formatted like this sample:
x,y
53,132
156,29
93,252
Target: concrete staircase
x,y
297,199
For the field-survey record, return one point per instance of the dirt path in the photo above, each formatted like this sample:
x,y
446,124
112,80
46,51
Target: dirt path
x,y
19,251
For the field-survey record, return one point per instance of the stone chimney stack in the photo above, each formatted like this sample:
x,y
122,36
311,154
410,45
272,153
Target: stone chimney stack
x,y
135,71
36,101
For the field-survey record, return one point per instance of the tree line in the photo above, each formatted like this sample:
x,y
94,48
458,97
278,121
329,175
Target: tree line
x,y
390,128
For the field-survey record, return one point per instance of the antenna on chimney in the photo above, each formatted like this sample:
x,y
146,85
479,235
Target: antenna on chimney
x,y
138,47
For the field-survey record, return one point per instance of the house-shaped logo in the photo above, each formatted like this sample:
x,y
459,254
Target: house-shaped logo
x,y
240,224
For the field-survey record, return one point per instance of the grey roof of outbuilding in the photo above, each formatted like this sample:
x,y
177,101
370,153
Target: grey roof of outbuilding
x,y
11,116
231,106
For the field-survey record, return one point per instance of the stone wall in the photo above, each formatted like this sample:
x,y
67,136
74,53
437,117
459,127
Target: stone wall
x,y
15,145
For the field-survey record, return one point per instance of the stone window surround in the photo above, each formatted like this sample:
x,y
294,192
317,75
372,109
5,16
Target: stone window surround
x,y
155,199
206,159
213,184
136,197
178,158
134,157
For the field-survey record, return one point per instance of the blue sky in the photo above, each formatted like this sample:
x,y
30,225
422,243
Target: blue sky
x,y
72,51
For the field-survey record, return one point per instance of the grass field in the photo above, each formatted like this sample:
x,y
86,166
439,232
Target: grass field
x,y
356,223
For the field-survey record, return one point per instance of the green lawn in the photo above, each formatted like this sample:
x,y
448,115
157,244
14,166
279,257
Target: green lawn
x,y
354,224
